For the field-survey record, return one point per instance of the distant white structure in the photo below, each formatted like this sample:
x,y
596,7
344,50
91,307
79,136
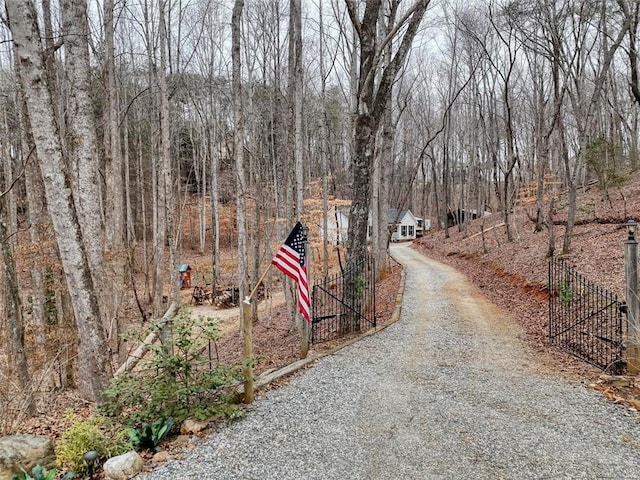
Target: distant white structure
x,y
423,225
337,225
403,225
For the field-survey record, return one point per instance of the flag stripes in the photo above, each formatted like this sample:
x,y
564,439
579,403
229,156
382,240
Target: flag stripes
x,y
290,260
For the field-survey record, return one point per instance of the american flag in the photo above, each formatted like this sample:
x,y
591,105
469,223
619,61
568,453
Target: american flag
x,y
290,260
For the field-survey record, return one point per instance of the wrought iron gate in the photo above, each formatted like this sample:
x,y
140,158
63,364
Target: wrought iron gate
x,y
585,319
344,304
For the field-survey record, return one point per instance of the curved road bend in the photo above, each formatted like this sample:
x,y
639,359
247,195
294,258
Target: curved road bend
x,y
448,392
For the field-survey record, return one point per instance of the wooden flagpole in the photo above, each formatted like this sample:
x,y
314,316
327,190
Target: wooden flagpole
x,y
247,340
258,284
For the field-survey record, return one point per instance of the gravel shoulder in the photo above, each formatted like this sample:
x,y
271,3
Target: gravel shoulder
x,y
447,392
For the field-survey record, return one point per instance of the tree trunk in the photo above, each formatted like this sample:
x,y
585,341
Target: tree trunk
x,y
8,163
238,151
93,361
372,101
81,141
37,224
15,321
115,195
166,193
324,151
215,212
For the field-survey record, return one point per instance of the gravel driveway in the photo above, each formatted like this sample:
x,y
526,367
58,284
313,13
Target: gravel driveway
x,y
447,392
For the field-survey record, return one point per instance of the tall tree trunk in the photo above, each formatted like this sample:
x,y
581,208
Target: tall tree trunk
x,y
81,141
215,211
238,150
37,224
324,151
296,85
114,211
93,361
295,138
166,193
8,163
372,100
15,321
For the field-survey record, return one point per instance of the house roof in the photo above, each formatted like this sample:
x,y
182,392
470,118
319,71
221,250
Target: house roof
x,y
392,215
184,267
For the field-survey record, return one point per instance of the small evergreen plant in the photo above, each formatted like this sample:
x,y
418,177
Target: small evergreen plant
x,y
176,384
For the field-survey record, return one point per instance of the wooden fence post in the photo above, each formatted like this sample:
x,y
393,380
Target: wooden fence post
x,y
247,335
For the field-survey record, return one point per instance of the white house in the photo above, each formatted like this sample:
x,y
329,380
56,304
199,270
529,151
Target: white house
x,y
402,225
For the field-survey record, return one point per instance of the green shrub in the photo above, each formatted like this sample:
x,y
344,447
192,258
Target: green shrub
x,y
40,473
83,435
149,435
566,292
177,384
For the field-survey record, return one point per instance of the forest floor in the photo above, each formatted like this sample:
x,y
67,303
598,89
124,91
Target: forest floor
x,y
512,274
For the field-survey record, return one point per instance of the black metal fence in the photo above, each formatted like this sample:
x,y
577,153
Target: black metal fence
x,y
585,319
344,304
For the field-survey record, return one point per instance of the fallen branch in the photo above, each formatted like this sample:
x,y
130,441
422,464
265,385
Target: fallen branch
x,y
137,355
485,231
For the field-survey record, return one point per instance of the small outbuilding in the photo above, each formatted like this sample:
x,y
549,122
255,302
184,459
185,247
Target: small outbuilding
x,y
337,225
185,275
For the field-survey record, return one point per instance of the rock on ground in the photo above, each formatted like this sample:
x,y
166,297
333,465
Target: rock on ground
x,y
24,451
123,467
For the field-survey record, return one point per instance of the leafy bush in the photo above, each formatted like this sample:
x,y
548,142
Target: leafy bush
x,y
176,384
566,292
149,435
83,435
40,473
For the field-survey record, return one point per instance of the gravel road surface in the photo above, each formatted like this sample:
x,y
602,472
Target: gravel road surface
x,y
447,392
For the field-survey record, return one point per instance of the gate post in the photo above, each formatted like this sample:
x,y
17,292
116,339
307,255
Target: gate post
x,y
633,322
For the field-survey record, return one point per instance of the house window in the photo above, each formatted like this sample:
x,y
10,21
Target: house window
x,y
411,230
403,231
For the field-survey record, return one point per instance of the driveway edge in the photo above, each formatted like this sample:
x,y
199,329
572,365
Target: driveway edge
x,y
266,378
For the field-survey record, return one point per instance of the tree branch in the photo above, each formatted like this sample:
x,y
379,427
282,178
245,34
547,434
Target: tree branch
x,y
20,175
353,15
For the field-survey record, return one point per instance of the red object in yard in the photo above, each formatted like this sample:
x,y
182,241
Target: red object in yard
x,y
185,276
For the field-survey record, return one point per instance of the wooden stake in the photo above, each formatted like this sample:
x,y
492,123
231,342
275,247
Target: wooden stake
x,y
248,350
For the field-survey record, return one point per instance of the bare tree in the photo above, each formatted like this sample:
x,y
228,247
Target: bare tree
x,y
81,141
94,364
238,148
15,322
372,98
114,188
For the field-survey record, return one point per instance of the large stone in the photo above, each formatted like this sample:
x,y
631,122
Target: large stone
x,y
24,451
123,467
191,426
160,457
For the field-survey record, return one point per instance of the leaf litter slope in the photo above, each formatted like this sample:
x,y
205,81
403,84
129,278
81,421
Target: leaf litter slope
x,y
513,274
